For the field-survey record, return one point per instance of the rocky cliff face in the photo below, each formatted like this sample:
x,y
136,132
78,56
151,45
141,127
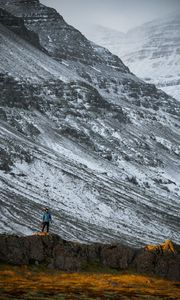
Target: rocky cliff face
x,y
151,51
85,137
68,256
17,26
60,40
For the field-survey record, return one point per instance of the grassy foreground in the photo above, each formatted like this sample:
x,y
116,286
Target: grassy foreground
x,y
32,283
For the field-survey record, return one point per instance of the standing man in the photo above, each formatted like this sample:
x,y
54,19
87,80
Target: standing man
x,y
46,219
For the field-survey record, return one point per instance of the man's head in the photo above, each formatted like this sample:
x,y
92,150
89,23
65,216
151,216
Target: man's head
x,y
46,209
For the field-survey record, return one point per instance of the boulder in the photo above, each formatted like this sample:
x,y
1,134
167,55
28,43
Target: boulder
x,y
116,256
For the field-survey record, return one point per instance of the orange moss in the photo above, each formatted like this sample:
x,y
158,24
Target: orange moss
x,y
14,280
167,246
41,233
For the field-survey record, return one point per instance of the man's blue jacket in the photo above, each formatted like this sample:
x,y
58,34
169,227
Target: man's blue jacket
x,y
47,217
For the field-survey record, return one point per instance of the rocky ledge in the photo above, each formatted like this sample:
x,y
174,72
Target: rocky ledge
x,y
17,25
162,260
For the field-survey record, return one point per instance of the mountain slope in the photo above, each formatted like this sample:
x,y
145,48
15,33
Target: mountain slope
x,y
52,30
151,51
23,61
67,45
106,162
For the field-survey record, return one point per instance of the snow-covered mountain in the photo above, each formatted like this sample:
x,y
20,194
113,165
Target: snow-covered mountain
x,y
80,133
151,51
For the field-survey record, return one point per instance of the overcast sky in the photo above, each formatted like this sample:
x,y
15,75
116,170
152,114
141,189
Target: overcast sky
x,y
117,14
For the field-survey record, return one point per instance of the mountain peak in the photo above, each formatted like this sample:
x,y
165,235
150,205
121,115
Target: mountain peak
x,y
60,40
151,51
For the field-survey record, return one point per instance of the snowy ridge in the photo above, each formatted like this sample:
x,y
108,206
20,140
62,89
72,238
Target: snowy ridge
x,y
60,40
151,51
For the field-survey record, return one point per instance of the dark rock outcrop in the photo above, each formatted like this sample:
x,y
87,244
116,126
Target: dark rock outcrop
x,y
70,256
16,24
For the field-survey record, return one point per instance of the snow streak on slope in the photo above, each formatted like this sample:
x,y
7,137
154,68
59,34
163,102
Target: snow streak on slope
x,y
88,198
103,195
173,90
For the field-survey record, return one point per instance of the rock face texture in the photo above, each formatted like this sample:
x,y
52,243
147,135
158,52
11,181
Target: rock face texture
x,y
68,256
151,51
17,26
82,135
60,40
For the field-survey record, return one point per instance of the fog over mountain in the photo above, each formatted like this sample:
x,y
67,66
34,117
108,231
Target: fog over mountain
x,y
116,14
151,51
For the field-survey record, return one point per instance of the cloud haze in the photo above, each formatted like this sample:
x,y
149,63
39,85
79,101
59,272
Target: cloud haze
x,y
117,14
